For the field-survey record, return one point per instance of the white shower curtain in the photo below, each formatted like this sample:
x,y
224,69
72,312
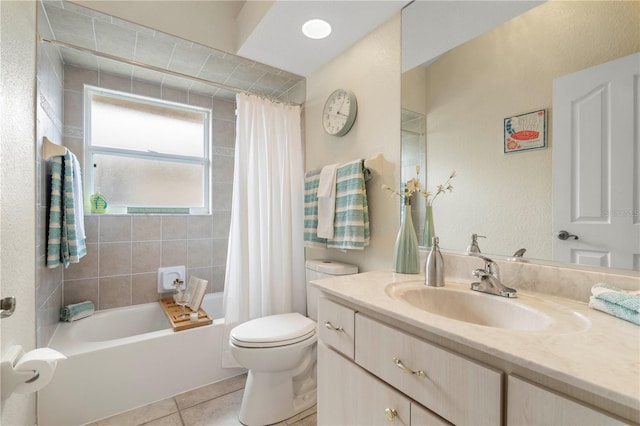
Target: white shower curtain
x,y
265,258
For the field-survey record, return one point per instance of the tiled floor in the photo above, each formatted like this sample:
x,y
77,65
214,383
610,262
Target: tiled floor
x,y
216,404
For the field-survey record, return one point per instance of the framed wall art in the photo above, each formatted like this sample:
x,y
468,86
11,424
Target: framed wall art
x,y
525,132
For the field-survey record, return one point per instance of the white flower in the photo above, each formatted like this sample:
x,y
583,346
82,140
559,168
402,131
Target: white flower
x,y
410,187
445,187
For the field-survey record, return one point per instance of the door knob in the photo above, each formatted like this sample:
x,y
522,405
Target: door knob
x,y
564,235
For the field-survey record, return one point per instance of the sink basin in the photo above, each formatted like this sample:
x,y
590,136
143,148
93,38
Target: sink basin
x,y
460,303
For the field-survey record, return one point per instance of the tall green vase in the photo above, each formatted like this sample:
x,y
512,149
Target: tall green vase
x,y
428,232
406,258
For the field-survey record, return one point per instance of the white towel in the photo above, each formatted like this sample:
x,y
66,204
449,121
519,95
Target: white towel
x,y
327,200
78,199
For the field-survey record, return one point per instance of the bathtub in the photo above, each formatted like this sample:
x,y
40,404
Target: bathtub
x,y
123,358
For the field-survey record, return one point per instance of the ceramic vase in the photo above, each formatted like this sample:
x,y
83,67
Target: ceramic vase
x,y
406,258
429,231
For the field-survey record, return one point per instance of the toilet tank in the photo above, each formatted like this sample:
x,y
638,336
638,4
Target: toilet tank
x,y
318,269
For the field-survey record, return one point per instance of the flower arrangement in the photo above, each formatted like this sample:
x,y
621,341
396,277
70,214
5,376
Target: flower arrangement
x,y
413,185
445,187
410,187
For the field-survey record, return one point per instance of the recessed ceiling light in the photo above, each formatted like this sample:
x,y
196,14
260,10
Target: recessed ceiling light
x,y
316,28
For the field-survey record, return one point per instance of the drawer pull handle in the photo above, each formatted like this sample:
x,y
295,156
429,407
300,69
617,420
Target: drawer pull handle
x,y
332,327
391,414
407,370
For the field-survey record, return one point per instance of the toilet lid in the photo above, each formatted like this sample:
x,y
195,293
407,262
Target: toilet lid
x,y
273,330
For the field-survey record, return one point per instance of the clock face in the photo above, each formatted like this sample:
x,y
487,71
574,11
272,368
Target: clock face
x,y
339,112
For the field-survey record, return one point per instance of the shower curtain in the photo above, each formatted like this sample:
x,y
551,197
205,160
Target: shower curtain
x,y
265,257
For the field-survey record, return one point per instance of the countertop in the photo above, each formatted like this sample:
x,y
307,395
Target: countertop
x,y
597,353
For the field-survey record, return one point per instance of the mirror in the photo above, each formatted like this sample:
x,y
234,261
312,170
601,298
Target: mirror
x,y
467,89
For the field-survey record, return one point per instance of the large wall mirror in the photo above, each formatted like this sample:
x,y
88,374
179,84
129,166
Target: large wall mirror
x,y
465,75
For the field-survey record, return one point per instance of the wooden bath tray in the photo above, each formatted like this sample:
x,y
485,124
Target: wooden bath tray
x,y
173,313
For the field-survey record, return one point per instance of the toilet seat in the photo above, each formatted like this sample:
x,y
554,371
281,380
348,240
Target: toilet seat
x,y
273,330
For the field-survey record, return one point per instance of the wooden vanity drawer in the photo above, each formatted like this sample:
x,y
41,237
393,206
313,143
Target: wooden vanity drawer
x,y
459,390
336,326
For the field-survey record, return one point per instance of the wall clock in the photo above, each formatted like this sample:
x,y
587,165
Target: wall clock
x,y
339,112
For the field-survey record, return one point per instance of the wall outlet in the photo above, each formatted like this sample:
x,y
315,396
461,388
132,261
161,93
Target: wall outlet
x,y
168,275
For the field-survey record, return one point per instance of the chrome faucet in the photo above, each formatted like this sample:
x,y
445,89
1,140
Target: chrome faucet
x,y
490,280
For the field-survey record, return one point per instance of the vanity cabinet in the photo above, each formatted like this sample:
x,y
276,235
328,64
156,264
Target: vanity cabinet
x,y
530,404
451,386
460,390
348,395
336,326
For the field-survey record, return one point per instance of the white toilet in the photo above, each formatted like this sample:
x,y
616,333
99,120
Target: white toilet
x,y
280,353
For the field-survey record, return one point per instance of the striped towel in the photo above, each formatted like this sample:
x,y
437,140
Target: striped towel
x,y
64,244
351,223
77,311
614,301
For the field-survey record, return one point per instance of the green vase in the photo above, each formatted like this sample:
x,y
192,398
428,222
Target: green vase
x,y
428,232
406,258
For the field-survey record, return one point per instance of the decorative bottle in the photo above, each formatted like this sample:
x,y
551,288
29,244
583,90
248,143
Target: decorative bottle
x,y
434,268
428,232
406,258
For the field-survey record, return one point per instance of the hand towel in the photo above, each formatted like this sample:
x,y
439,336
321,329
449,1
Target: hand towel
x,y
64,245
77,311
327,200
351,223
78,199
311,239
623,304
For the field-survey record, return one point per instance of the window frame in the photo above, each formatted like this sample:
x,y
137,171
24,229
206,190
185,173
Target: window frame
x,y
90,150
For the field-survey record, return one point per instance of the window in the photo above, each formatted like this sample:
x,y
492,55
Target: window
x,y
146,155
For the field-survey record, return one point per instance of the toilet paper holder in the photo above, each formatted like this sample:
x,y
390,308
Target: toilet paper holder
x,y
12,378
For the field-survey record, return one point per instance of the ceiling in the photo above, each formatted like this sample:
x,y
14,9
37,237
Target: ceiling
x,y
273,54
70,23
277,39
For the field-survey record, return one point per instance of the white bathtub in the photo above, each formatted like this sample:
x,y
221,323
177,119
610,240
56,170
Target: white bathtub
x,y
123,358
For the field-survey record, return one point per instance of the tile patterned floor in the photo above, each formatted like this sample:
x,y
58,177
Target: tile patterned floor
x,y
216,404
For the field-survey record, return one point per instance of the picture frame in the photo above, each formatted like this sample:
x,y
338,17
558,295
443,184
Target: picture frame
x,y
525,132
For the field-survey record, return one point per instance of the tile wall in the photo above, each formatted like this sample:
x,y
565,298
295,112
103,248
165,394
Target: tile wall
x,y
49,124
125,251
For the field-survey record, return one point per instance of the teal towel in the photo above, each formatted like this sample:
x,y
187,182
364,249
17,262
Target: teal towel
x,y
620,303
66,242
77,311
351,222
311,182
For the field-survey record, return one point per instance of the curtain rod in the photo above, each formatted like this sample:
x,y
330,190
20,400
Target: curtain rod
x,y
161,70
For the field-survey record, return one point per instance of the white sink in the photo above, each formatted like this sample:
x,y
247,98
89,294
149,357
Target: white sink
x,y
456,302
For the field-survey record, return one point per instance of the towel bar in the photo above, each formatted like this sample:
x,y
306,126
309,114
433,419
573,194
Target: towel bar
x,y
50,149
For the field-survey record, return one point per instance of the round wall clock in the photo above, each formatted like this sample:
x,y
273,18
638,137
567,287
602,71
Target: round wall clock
x,y
339,112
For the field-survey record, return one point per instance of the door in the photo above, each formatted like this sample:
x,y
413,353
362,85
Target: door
x,y
596,157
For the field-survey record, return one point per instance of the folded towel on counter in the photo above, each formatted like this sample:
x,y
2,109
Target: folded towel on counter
x,y
623,304
77,311
327,200
351,221
66,241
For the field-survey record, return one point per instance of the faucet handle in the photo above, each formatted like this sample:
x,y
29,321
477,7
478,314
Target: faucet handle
x,y
480,273
490,266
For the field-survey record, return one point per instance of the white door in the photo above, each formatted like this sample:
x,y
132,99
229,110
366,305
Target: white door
x,y
596,158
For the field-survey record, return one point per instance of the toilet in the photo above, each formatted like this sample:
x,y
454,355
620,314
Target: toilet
x,y
280,353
